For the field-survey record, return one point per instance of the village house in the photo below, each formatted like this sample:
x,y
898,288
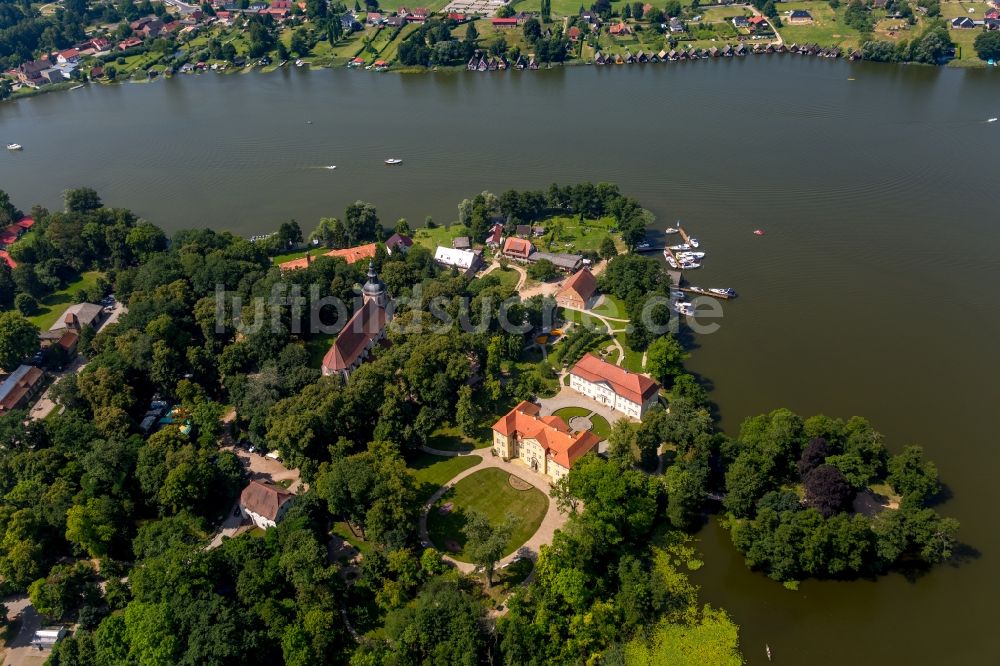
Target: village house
x,y
76,317
461,243
495,237
398,243
963,23
503,23
265,504
574,34
627,392
518,248
363,331
741,22
19,387
349,254
676,25
620,29
544,443
30,73
800,16
68,56
578,290
466,261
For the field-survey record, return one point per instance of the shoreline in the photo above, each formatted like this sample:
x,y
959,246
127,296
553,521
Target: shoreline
x,y
811,50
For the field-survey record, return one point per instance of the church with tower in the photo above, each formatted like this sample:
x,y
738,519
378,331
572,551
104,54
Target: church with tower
x,y
365,329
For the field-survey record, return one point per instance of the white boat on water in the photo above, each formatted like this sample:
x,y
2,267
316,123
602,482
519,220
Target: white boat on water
x,y
681,247
670,260
670,230
690,264
684,308
14,146
690,255
331,167
394,160
692,241
726,291
299,63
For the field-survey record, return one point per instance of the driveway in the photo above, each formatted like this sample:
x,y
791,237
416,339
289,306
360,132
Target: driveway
x,y
567,397
553,519
19,651
262,468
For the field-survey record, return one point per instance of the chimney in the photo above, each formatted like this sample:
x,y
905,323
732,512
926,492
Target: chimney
x,y
72,321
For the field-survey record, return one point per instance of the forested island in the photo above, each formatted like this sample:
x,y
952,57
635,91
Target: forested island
x,y
149,535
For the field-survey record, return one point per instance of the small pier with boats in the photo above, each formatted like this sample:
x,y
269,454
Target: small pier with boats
x,y
681,257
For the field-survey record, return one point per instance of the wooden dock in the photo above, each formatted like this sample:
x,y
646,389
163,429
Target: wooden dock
x,y
705,292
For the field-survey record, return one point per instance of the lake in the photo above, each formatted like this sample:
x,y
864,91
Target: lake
x,y
871,293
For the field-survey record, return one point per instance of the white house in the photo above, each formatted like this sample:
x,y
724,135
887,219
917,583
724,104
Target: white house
x,y
265,504
630,393
467,261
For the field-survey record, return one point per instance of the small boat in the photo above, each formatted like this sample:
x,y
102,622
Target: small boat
x,y
331,167
77,87
692,241
767,648
14,146
298,62
991,120
309,122
725,291
690,255
684,308
681,247
670,230
394,160
690,264
670,260
758,232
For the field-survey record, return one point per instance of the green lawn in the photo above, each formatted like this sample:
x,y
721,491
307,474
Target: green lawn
x,y
317,346
432,471
288,256
566,413
578,317
611,306
488,492
53,305
569,234
827,28
600,426
341,529
508,277
431,238
633,359
450,439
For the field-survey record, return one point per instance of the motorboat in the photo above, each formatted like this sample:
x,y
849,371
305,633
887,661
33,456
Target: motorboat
x,y
991,120
725,291
681,247
690,264
670,260
684,308
331,167
758,232
690,255
298,62
14,146
394,160
692,241
670,230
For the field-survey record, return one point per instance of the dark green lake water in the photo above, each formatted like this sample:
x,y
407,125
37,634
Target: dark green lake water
x,y
873,292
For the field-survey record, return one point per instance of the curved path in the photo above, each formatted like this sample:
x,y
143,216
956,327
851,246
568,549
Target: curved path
x,y
552,520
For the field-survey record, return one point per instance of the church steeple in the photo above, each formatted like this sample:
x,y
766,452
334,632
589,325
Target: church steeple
x,y
374,288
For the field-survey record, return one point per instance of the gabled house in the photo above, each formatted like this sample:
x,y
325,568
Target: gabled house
x,y
265,504
518,248
620,29
800,16
963,23
627,392
495,236
398,243
578,290
544,443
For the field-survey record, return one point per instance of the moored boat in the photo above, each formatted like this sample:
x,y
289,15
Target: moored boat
x,y
670,230
394,160
14,146
725,291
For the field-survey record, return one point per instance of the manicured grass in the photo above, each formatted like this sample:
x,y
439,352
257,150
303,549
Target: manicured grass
x,y
288,256
600,426
432,472
488,492
450,439
53,305
578,317
341,529
508,277
633,359
569,234
827,28
611,306
431,238
566,413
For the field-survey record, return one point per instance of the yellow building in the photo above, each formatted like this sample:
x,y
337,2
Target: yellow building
x,y
543,443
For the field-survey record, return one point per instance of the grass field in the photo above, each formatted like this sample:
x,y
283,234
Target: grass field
x,y
450,439
633,359
488,492
431,238
432,472
508,277
611,306
578,317
599,424
827,28
53,305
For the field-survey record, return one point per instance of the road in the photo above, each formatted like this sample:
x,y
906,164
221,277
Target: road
x,y
19,651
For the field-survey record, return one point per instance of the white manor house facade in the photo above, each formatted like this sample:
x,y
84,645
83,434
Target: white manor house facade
x,y
630,393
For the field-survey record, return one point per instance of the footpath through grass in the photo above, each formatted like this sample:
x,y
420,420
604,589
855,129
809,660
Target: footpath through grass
x,y
432,471
488,492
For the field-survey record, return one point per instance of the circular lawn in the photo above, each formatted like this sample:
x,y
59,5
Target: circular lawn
x,y
491,493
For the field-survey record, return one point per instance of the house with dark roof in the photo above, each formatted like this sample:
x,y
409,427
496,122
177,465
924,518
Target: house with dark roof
x,y
578,290
963,23
75,317
398,243
19,387
544,443
799,16
495,236
567,263
740,22
627,392
363,331
461,243
264,503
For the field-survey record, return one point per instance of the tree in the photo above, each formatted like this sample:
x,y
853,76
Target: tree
x,y
532,30
987,45
608,249
543,270
94,525
484,543
299,44
466,411
18,339
622,444
360,220
813,455
26,304
911,476
685,494
712,639
827,490
665,358
81,200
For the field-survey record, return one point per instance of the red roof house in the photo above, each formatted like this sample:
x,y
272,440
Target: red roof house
x,y
504,23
